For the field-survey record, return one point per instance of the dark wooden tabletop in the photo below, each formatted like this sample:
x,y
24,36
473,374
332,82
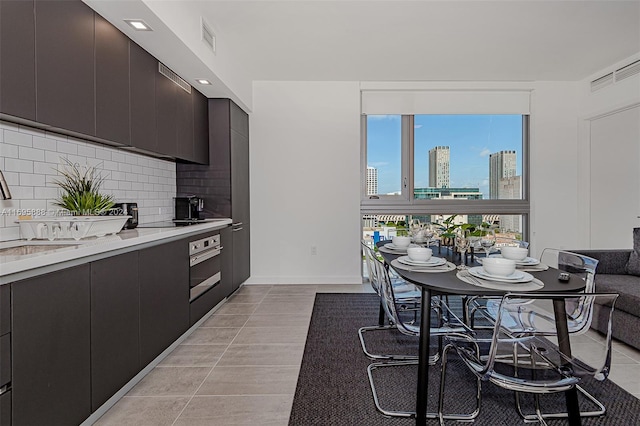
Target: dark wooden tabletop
x,y
448,283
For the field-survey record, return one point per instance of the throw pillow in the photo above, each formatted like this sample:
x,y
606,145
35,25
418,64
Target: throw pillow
x,y
633,266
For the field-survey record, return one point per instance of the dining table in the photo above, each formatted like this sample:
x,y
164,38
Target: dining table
x,y
446,282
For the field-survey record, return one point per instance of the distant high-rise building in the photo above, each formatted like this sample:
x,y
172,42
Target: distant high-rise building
x,y
372,181
501,165
439,159
510,189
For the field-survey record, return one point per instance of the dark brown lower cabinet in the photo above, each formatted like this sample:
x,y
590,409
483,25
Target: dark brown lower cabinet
x,y
5,409
115,311
164,297
51,380
226,264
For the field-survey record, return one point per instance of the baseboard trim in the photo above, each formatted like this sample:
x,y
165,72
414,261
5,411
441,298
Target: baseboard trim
x,y
302,280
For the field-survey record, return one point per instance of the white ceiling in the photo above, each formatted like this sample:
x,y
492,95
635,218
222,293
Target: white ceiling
x,y
425,40
391,40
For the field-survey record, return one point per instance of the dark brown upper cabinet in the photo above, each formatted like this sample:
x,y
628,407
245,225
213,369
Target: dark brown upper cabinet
x,y
65,65
112,82
143,68
17,59
184,124
200,128
166,121
62,65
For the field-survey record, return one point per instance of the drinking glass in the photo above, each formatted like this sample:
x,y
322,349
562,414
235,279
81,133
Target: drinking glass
x,y
488,241
429,233
462,243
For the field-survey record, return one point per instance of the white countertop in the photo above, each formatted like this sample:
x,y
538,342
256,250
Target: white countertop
x,y
16,267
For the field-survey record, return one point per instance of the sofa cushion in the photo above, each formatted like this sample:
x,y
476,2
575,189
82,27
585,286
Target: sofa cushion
x,y
627,286
633,266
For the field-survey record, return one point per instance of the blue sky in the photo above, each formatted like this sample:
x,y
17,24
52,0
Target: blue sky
x,y
470,138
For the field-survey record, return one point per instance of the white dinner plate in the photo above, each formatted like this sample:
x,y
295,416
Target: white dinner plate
x,y
434,261
527,261
392,246
516,277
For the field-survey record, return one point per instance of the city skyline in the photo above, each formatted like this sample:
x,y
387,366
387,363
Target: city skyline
x,y
471,139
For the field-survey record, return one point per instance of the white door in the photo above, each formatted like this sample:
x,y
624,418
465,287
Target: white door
x,y
615,178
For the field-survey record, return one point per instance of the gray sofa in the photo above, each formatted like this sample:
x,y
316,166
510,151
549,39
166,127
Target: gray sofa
x,y
618,271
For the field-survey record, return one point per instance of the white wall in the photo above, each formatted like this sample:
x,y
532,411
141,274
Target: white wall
x,y
29,159
554,166
596,105
305,180
305,183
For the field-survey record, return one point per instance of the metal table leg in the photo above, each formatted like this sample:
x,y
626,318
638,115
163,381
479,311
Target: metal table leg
x,y
423,358
564,345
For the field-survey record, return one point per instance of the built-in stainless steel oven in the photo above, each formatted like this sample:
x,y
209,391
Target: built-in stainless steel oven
x,y
204,262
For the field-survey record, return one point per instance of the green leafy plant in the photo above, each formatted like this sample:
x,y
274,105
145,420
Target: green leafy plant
x,y
448,229
81,190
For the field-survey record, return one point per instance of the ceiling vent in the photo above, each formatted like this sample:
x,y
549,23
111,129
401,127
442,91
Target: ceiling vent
x,y
618,75
628,71
164,70
208,36
602,82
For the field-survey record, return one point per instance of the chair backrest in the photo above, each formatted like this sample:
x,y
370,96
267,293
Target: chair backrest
x,y
369,256
580,313
388,299
574,263
534,333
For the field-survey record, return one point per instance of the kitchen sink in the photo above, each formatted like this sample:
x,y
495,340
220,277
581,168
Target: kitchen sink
x,y
27,249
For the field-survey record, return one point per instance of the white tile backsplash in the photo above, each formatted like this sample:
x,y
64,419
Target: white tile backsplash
x,y
29,159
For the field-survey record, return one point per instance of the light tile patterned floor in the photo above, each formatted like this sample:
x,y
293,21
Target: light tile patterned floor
x,y
241,366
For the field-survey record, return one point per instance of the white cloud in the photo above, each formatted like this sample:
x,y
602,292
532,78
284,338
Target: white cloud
x,y
378,164
417,126
485,152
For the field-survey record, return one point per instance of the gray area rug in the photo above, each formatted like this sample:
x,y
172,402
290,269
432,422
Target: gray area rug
x,y
333,388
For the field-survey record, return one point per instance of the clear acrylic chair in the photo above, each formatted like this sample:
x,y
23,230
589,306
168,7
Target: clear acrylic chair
x,y
390,306
524,337
578,265
407,295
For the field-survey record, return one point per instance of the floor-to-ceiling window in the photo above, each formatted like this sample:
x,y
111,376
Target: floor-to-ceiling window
x,y
428,166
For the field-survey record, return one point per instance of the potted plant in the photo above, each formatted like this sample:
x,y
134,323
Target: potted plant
x,y
81,194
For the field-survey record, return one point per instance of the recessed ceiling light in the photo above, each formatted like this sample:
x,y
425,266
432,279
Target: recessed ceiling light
x,y
138,24
203,81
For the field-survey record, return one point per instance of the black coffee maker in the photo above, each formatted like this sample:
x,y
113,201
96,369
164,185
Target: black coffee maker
x,y
188,208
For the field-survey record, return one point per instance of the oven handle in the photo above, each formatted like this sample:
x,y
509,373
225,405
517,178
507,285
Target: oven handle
x,y
194,260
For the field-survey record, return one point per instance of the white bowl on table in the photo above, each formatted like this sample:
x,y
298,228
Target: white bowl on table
x,y
401,242
499,267
419,254
514,253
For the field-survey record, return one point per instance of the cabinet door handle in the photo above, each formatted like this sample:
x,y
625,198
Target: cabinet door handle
x,y
236,224
237,229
